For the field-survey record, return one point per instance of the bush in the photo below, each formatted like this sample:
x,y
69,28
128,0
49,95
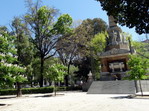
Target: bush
x,y
61,88
73,88
8,91
69,88
27,91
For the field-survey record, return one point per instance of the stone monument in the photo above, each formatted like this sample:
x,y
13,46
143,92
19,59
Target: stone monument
x,y
114,59
90,77
114,64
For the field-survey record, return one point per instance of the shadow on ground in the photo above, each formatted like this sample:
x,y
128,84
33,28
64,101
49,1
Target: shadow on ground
x,y
122,97
130,97
7,97
43,96
51,95
3,104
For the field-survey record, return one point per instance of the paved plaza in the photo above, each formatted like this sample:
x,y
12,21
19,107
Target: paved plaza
x,y
73,101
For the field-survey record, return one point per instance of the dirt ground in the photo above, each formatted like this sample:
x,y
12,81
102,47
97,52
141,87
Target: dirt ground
x,y
73,101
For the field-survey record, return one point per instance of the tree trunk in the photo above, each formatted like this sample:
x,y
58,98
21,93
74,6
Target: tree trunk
x,y
141,88
54,88
66,80
66,77
41,71
19,92
31,83
136,86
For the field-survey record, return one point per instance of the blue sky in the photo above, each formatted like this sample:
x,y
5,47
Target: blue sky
x,y
77,9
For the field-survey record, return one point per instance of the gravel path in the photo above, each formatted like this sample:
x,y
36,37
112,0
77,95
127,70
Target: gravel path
x,y
73,101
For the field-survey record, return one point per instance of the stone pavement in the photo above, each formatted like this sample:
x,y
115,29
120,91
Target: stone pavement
x,y
73,101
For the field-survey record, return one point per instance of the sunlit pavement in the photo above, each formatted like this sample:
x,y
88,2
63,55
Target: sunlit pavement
x,y
73,101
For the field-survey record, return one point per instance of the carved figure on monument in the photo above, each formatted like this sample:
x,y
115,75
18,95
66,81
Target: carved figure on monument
x,y
120,37
114,38
114,31
124,39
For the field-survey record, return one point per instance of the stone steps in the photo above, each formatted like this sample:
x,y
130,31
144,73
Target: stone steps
x,y
112,87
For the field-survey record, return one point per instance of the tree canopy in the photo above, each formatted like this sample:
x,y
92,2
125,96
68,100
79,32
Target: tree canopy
x,y
45,31
142,49
10,70
132,13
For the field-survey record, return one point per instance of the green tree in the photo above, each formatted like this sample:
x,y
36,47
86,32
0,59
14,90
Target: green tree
x,y
84,66
138,69
23,41
49,62
72,75
56,73
142,48
10,70
76,45
86,33
36,71
46,32
126,13
67,53
24,45
98,44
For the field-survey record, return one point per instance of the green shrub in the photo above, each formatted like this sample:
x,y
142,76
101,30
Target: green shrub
x,y
8,91
37,90
73,88
69,88
61,88
27,91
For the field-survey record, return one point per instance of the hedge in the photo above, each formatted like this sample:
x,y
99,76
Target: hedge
x,y
37,90
74,88
69,88
27,91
